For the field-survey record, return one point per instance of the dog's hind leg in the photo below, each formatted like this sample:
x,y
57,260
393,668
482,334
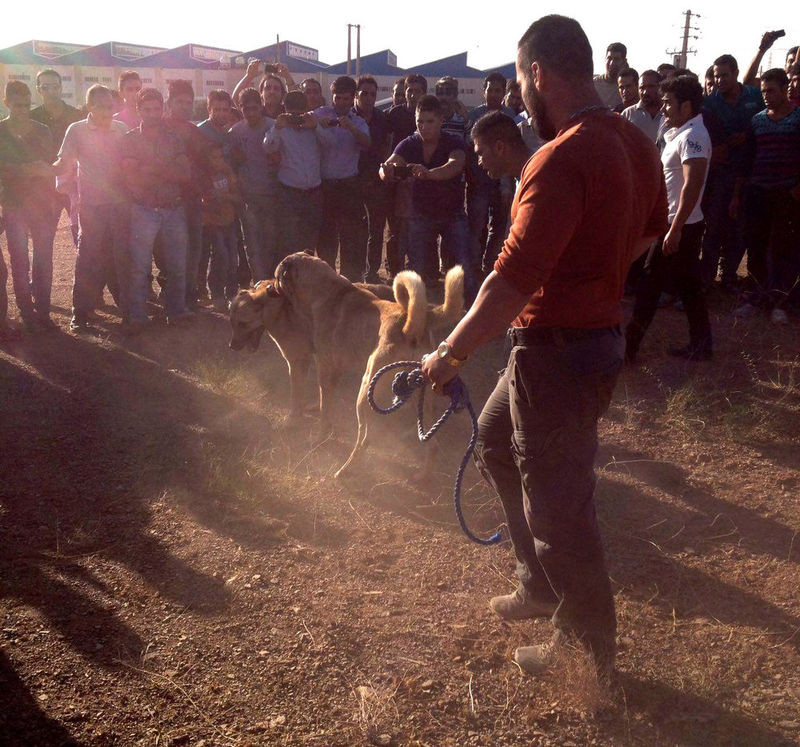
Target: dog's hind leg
x,y
362,413
298,383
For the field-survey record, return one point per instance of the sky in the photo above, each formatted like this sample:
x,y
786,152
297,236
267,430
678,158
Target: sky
x,y
435,31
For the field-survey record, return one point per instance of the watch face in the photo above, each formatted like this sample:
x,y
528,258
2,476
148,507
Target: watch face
x,y
443,350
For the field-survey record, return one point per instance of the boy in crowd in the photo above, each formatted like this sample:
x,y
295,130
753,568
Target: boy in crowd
x,y
221,199
155,168
29,204
93,146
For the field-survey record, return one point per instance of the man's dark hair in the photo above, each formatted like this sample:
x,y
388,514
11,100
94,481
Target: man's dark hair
x,y
684,88
126,76
218,95
775,75
617,47
429,103
651,72
399,82
685,71
792,51
729,60
366,80
794,68
296,100
417,78
628,72
248,95
344,84
496,126
47,71
179,88
272,76
447,81
710,72
512,85
148,94
17,88
664,68
95,92
560,44
313,82
494,77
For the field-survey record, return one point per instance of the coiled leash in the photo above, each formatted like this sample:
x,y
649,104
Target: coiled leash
x,y
404,384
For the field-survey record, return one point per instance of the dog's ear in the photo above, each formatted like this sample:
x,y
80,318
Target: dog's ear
x,y
273,291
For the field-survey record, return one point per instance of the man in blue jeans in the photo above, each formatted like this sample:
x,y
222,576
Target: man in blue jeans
x,y
589,201
435,162
154,168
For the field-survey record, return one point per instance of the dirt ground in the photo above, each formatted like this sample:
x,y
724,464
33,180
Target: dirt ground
x,y
178,566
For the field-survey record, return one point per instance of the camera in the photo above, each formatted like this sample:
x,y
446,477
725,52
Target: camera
x,y
270,68
402,172
296,119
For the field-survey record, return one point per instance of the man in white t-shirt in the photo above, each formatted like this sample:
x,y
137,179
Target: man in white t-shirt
x,y
685,159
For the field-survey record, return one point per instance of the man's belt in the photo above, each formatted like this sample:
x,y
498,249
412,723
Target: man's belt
x,y
525,336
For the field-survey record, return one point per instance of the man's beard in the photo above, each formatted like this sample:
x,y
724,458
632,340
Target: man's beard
x,y
541,119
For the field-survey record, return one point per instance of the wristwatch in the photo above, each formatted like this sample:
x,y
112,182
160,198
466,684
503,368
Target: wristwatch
x,y
445,353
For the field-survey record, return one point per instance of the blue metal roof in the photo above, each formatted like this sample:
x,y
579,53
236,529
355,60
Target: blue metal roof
x,y
455,65
509,70
110,54
189,56
299,58
378,63
35,52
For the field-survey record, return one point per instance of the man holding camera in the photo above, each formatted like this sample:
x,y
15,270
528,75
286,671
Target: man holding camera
x,y
434,160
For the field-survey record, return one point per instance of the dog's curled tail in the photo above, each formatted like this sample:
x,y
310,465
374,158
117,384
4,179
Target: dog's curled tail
x,y
409,291
453,307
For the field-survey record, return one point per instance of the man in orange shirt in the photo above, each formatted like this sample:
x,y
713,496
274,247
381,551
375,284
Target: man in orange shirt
x,y
589,202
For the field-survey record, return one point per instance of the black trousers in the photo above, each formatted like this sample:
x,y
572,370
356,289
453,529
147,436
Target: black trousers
x,y
343,229
682,268
536,446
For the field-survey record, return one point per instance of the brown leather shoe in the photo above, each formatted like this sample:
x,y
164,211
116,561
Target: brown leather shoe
x,y
535,659
518,606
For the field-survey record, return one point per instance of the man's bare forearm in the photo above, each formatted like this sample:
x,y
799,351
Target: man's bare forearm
x,y
496,306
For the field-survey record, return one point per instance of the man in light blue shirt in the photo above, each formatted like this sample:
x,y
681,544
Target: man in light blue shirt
x,y
343,226
297,140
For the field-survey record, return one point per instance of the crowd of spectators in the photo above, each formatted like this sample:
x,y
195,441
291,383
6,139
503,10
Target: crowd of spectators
x,y
165,208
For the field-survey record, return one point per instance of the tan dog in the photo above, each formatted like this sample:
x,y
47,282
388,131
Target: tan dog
x,y
265,309
354,330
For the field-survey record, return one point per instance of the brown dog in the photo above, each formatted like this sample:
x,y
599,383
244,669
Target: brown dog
x,y
265,309
354,330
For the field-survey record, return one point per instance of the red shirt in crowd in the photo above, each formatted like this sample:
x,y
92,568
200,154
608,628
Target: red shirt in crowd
x,y
585,200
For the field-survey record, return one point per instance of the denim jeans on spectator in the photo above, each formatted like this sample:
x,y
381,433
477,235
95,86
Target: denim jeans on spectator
x,y
222,280
772,237
300,218
536,447
424,229
102,257
260,223
343,230
487,223
32,277
194,247
146,223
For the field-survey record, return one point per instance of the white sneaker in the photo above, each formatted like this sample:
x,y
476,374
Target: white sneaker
x,y
779,316
745,311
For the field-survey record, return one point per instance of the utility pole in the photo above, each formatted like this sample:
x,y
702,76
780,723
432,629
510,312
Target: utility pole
x,y
349,55
358,50
680,58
